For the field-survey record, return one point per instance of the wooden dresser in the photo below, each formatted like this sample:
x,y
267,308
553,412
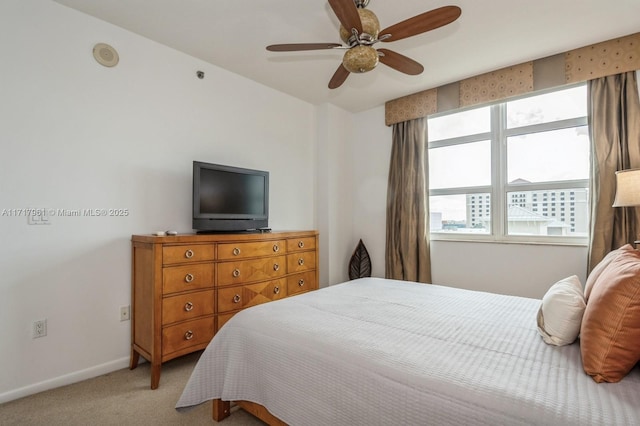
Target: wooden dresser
x,y
186,287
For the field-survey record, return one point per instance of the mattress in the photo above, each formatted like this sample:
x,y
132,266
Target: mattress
x,y
383,352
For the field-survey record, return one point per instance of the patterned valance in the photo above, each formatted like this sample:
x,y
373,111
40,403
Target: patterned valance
x,y
417,105
497,85
603,59
586,63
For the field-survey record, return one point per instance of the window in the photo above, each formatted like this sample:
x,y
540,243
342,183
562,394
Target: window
x,y
517,161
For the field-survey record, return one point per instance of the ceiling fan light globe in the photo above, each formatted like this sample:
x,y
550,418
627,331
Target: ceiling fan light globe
x,y
370,25
360,59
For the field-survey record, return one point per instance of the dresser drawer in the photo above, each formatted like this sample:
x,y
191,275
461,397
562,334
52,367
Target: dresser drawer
x,y
187,277
301,282
240,297
303,261
187,253
251,270
187,306
197,332
228,251
297,244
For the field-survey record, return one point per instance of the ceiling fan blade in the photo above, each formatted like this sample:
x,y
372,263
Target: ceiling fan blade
x,y
419,24
400,62
339,77
292,47
347,14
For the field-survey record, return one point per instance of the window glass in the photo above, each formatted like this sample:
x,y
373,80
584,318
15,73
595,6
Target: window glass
x,y
556,155
458,166
554,106
527,152
463,123
566,215
460,213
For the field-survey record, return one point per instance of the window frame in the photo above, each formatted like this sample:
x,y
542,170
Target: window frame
x,y
500,187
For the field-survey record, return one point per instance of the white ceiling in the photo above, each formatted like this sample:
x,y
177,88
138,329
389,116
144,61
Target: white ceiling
x,y
489,35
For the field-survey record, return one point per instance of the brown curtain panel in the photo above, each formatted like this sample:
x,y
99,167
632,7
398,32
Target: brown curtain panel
x,y
614,125
407,244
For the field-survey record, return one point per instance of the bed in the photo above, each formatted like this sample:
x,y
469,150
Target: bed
x,y
383,352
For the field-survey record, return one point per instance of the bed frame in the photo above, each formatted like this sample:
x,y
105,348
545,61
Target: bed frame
x,y
222,410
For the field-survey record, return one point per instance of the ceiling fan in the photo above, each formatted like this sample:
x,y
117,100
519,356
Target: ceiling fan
x,y
360,30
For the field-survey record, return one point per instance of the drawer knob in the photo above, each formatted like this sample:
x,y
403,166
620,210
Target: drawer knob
x,y
276,267
276,290
188,335
300,282
236,298
301,261
300,244
236,273
188,254
236,251
188,306
189,278
276,248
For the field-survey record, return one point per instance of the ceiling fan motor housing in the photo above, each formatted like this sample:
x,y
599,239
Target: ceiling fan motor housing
x,y
361,57
370,25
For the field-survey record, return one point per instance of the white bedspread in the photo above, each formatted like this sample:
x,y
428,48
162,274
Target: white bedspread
x,y
382,352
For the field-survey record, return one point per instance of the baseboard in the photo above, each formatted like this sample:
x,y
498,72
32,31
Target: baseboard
x,y
67,379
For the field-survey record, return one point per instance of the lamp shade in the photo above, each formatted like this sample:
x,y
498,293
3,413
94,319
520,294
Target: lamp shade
x,y
627,188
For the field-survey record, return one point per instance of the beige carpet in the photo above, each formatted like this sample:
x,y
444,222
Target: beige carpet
x,y
119,398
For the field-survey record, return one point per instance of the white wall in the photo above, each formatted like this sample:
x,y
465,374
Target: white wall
x,y
371,151
335,203
76,135
518,269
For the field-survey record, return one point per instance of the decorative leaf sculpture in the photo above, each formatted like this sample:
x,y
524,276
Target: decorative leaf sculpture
x,y
360,264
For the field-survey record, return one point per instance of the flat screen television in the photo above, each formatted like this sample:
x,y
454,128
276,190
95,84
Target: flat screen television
x,y
229,199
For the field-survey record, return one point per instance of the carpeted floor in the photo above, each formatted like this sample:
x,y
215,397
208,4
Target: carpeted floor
x,y
119,398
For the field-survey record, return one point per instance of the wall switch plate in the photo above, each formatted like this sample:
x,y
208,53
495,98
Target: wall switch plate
x,y
39,328
125,313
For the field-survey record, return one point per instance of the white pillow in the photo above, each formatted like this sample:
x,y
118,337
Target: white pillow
x,y
560,315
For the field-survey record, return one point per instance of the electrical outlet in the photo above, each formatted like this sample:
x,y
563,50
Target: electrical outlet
x,y
125,313
39,328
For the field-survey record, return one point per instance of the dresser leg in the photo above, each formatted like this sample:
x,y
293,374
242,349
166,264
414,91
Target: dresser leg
x,y
133,360
155,375
221,409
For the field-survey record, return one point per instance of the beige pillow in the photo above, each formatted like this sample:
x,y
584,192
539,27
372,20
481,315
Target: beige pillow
x,y
561,311
610,332
597,270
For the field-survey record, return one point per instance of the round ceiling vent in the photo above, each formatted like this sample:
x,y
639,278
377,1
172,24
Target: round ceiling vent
x,y
105,55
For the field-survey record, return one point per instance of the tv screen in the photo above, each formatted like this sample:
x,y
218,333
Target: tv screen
x,y
227,198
